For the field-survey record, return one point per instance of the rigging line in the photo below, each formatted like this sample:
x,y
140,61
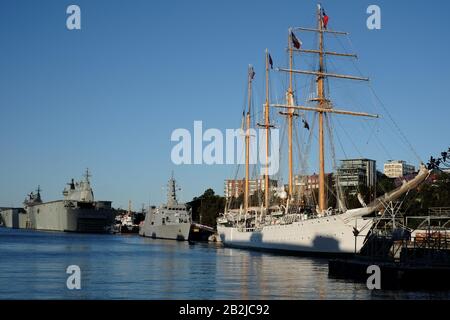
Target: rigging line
x,y
372,134
296,143
391,128
301,156
349,93
396,125
343,194
349,138
306,163
400,132
341,145
372,129
338,195
281,147
279,174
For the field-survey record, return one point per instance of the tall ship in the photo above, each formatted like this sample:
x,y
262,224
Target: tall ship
x,y
284,222
77,212
171,220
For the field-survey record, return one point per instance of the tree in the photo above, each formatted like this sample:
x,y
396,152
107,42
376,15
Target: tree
x,y
206,208
435,192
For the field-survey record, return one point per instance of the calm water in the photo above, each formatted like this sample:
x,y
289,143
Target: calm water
x,y
33,266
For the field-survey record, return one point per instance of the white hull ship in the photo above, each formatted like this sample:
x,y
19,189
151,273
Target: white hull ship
x,y
170,221
288,226
342,233
326,235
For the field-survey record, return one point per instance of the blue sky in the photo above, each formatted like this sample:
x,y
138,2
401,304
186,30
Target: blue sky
x,y
108,96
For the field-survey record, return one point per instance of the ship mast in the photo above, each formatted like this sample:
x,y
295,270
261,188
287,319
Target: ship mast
x,y
87,175
251,74
324,105
290,114
267,127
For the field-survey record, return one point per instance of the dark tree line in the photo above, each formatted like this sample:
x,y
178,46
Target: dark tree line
x,y
207,207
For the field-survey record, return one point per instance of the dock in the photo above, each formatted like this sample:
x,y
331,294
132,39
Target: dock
x,y
408,259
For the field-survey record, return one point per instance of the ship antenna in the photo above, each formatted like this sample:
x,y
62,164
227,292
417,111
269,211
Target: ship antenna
x,y
87,175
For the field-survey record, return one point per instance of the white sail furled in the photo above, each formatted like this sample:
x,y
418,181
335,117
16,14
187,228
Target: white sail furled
x,y
379,203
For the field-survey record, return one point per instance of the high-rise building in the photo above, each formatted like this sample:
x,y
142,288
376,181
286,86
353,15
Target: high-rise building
x,y
398,168
354,173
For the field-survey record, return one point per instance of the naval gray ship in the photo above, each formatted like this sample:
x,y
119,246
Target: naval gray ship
x,y
77,212
171,220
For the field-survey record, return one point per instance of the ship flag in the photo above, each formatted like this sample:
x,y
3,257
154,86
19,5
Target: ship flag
x,y
305,124
252,73
270,61
324,17
296,42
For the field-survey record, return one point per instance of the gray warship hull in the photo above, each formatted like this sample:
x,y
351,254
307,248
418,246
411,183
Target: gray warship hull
x,y
77,212
178,231
61,216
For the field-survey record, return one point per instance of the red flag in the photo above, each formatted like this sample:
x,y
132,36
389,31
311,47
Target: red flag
x,y
324,18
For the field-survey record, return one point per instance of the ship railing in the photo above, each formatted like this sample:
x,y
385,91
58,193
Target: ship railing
x,y
438,211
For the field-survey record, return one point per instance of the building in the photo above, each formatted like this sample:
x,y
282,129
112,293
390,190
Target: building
x,y
354,173
398,168
235,187
307,184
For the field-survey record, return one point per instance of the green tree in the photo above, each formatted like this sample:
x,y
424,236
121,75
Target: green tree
x,y
207,207
433,193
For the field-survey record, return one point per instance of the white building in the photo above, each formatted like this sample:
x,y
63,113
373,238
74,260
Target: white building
x,y
398,168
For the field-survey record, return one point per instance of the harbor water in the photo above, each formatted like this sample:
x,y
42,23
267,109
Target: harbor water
x,y
33,266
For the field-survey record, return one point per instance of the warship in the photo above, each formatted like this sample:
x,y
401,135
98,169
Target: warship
x,y
171,220
77,212
287,224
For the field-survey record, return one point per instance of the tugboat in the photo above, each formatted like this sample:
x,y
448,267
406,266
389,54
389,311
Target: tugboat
x,y
126,223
